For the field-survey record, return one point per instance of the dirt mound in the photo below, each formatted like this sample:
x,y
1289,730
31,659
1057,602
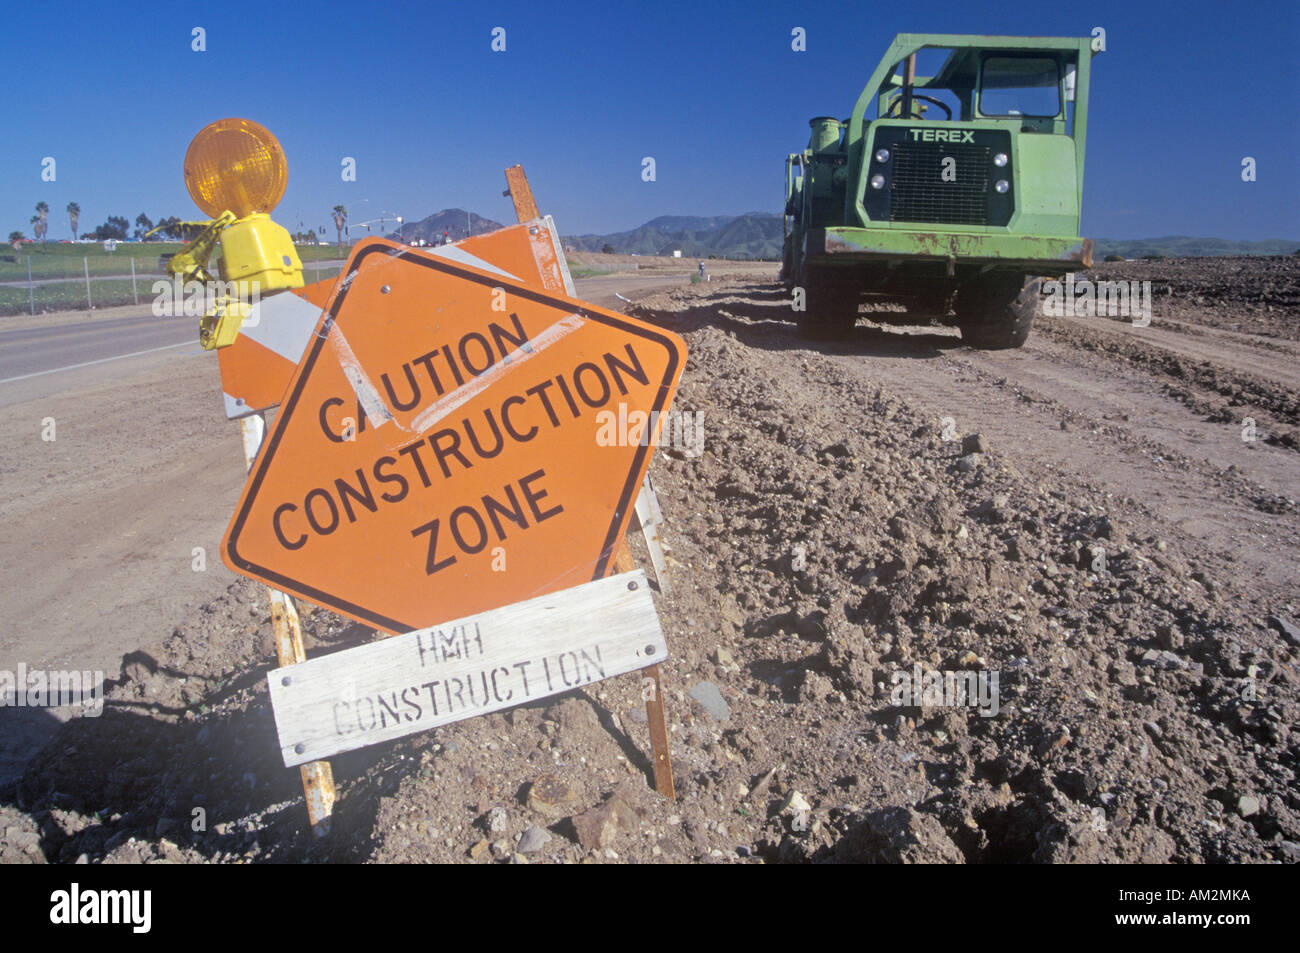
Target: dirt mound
x,y
1256,294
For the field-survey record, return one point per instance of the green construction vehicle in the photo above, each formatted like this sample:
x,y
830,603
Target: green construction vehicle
x,y
959,193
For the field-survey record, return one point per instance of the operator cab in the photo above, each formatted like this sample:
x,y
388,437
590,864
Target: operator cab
x,y
966,85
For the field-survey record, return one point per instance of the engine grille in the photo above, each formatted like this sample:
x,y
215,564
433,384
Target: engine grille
x,y
919,194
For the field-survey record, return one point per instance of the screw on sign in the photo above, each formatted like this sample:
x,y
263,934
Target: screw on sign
x,y
427,436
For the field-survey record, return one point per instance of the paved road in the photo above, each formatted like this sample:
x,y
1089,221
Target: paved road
x,y
31,352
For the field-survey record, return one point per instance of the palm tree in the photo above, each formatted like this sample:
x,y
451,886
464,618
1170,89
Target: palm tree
x,y
43,209
38,228
74,212
340,220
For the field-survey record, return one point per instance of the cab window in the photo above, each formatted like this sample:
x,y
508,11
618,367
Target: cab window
x,y
1020,86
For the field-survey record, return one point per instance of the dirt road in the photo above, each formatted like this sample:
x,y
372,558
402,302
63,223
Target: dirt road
x,y
1139,411
1081,518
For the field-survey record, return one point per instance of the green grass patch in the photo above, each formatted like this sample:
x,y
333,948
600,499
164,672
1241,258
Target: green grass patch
x,y
104,292
583,271
71,295
311,275
57,260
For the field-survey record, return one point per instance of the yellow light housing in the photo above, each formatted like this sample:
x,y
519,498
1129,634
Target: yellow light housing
x,y
235,164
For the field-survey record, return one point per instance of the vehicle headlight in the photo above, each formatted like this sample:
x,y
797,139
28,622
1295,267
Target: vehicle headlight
x,y
877,181
1000,159
882,155
1001,185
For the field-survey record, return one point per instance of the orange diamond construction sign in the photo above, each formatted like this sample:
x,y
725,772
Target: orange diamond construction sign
x,y
444,445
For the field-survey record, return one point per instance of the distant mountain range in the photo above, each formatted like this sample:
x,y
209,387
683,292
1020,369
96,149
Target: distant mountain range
x,y
757,235
1180,246
456,223
753,235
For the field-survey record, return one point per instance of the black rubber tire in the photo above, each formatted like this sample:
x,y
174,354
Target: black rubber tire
x,y
830,304
998,312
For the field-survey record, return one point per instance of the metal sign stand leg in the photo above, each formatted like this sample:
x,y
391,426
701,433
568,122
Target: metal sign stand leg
x,y
654,709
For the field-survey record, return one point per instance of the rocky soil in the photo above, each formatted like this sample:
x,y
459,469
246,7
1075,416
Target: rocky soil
x,y
1080,520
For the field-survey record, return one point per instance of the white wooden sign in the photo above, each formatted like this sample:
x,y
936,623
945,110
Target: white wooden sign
x,y
471,666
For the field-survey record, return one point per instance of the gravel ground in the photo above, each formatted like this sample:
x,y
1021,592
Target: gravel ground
x,y
887,513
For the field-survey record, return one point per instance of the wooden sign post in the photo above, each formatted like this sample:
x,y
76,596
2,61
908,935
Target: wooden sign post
x,y
317,776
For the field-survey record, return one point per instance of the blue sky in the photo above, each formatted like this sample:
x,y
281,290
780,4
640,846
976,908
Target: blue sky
x,y
583,91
